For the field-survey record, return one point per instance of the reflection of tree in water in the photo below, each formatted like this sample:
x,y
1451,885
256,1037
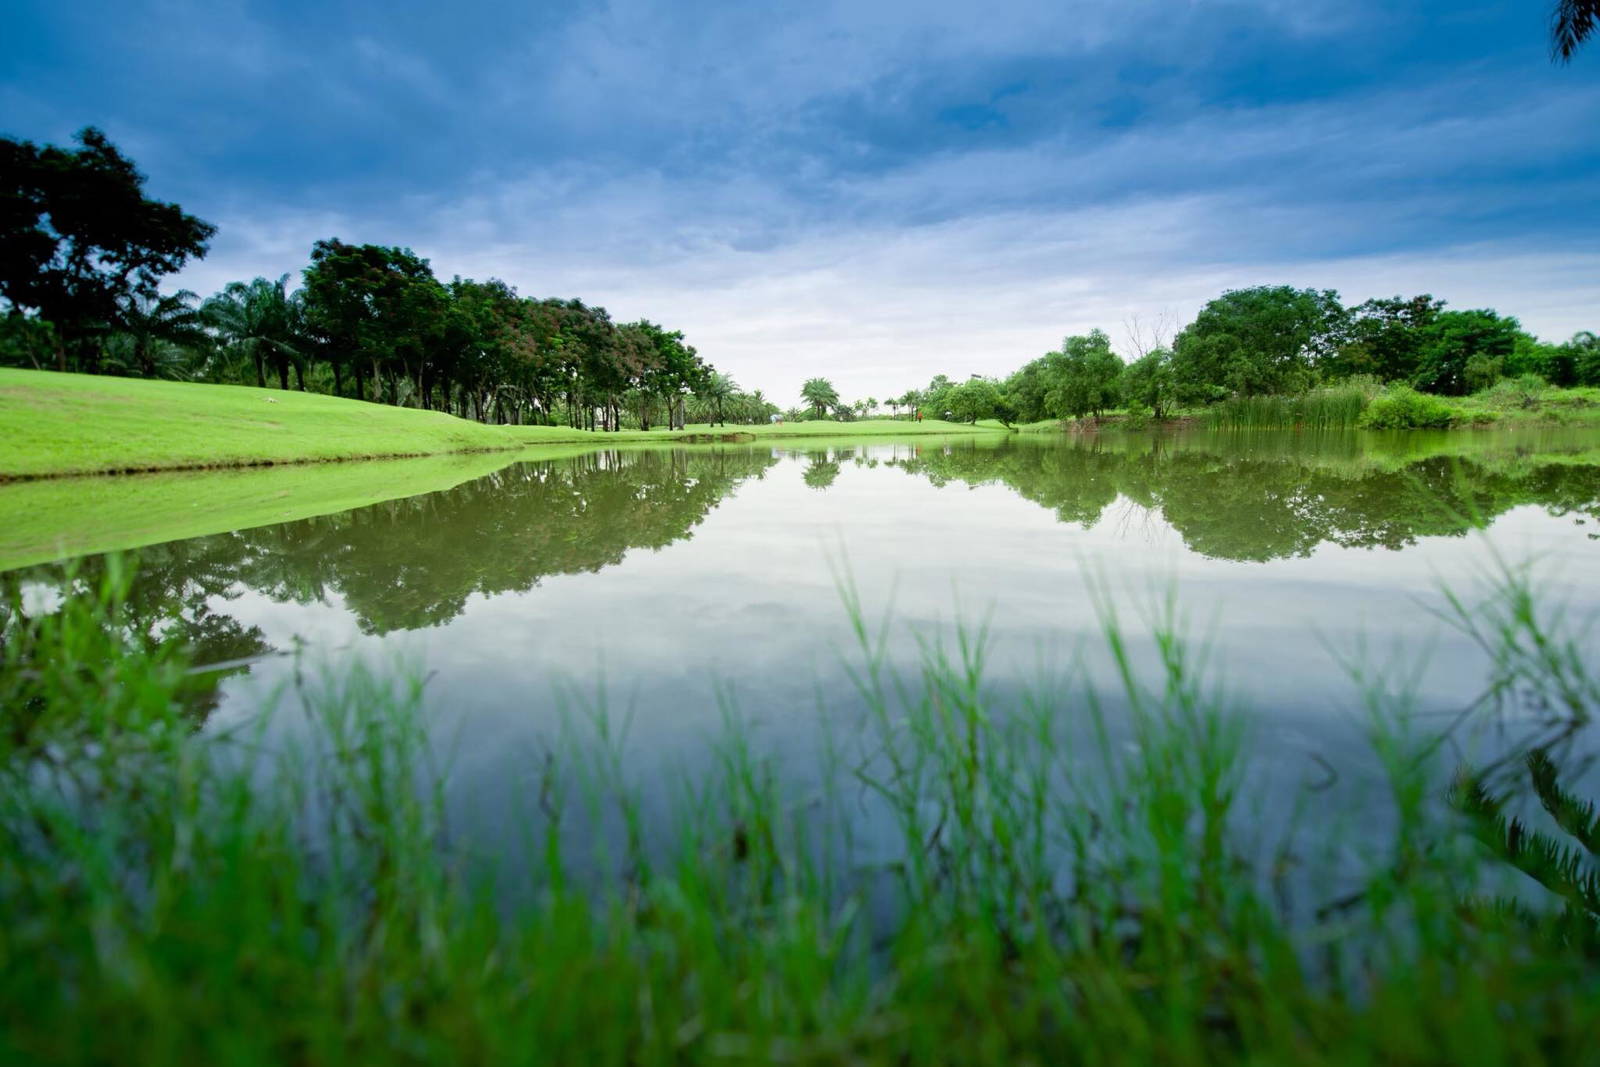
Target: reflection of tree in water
x,y
822,468
414,562
1255,507
178,593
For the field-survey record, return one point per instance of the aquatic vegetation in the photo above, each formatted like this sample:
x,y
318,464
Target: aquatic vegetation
x,y
1076,875
1332,408
1402,408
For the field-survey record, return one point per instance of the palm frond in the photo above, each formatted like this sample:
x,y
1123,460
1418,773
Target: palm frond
x,y
1573,23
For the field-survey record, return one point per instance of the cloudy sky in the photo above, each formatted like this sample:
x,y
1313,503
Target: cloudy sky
x,y
871,190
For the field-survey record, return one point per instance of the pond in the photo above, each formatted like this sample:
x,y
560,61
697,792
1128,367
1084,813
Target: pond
x,y
674,587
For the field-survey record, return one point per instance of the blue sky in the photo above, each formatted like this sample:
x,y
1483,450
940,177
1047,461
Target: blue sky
x,y
874,192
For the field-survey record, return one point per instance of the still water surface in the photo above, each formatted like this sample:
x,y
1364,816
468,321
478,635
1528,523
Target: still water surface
x,y
669,585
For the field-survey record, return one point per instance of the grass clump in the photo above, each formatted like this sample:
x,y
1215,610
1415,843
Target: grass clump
x,y
1334,407
1401,407
1071,878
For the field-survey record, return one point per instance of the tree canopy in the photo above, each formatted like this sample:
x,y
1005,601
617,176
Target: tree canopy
x,y
81,245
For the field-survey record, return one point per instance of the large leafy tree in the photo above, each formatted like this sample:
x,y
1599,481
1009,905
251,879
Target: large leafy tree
x,y
375,307
1084,377
81,244
1148,382
1458,340
1384,337
1267,339
1585,350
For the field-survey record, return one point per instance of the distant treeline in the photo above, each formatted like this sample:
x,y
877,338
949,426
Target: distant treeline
x,y
83,252
1268,341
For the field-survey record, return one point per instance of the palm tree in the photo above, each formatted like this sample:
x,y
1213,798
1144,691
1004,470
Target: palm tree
x,y
820,394
261,320
156,334
718,387
1573,22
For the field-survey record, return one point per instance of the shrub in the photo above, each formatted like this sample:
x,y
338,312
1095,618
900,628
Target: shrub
x,y
1524,391
1403,408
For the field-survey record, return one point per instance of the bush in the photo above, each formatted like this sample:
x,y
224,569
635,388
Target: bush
x,y
1403,408
1524,391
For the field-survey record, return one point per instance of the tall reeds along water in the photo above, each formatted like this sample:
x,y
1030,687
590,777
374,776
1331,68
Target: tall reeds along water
x,y
1331,408
1076,875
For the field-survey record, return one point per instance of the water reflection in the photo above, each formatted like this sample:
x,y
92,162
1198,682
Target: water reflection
x,y
1263,497
415,563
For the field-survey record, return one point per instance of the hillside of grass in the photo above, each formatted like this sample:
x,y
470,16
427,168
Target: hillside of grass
x,y
59,424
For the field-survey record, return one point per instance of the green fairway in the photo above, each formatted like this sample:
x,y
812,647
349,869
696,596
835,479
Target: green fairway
x,y
56,424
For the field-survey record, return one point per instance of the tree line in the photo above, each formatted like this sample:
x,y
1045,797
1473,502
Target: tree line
x,y
83,252
1268,340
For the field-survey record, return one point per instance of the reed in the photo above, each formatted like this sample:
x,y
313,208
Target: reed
x,y
1074,876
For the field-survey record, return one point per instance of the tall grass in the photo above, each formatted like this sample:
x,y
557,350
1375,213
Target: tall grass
x,y
1072,877
1335,407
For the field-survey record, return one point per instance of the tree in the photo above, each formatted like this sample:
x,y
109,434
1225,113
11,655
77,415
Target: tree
x,y
260,321
1148,381
1082,378
1268,339
376,307
820,394
1384,338
1572,23
1585,349
718,388
1457,338
156,334
80,242
977,398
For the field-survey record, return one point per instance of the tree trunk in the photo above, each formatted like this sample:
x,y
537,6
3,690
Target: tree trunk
x,y
283,373
338,379
261,372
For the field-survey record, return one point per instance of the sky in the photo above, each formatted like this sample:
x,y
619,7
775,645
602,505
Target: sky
x,y
872,192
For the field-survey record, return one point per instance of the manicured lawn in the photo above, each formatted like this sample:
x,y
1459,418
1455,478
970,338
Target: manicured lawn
x,y
55,424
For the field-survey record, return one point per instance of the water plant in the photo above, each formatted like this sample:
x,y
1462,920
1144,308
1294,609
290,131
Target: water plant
x,y
1074,874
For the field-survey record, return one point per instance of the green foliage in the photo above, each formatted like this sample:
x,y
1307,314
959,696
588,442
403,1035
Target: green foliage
x,y
1402,408
1384,338
1332,408
26,342
820,394
1084,377
1257,341
290,891
1556,364
81,245
1584,349
1525,392
1456,337
1151,383
1566,871
977,398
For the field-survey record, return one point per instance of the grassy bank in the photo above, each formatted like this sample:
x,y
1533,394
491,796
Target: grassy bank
x,y
1043,895
61,424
